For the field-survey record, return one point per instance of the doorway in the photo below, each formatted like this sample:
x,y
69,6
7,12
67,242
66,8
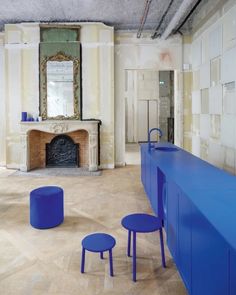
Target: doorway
x,y
149,103
166,105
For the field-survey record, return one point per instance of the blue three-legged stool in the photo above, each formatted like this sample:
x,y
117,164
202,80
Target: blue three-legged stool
x,y
98,242
142,223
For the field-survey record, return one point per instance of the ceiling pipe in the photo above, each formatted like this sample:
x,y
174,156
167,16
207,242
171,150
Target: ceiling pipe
x,y
156,34
144,17
177,17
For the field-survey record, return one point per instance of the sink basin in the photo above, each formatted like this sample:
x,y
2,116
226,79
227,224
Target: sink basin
x,y
166,149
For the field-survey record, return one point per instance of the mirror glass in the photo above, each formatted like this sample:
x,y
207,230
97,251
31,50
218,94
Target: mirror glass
x,y
60,90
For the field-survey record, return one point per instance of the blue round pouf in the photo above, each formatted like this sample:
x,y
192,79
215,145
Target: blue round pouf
x,y
46,207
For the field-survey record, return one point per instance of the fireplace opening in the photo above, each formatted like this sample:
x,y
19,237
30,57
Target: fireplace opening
x,y
62,152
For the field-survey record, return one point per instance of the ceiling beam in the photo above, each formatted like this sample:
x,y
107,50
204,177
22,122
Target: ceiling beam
x,y
187,17
185,5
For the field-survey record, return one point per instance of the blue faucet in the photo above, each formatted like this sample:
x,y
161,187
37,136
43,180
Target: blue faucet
x,y
149,136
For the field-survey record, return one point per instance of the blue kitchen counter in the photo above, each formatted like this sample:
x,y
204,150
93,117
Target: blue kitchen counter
x,y
199,203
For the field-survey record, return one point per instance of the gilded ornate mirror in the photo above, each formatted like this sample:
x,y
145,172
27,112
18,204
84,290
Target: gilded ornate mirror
x,y
59,87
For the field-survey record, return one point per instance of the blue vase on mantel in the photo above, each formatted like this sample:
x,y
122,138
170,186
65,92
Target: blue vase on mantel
x,y
23,116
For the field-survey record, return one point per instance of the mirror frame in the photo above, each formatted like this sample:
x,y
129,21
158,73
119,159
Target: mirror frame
x,y
60,56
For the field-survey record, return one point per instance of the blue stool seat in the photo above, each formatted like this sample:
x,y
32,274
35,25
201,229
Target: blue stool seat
x,y
46,207
142,223
98,242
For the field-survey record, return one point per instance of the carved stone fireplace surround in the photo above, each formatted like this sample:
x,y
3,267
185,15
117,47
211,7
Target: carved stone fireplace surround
x,y
60,127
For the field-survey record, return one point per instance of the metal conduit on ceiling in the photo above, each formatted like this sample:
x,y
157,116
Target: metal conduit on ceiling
x,y
186,6
144,17
156,34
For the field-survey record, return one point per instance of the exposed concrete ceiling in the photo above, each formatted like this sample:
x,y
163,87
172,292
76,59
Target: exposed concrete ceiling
x,y
122,14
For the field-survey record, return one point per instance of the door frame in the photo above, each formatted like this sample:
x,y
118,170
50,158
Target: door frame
x,y
178,103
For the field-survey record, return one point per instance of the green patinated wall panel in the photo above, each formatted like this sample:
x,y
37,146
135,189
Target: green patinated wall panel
x,y
52,48
60,51
59,34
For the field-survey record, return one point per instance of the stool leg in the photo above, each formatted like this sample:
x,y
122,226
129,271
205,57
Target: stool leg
x,y
162,249
134,256
111,263
101,255
129,243
83,260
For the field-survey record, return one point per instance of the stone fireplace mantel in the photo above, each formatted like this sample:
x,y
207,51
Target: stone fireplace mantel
x,y
60,127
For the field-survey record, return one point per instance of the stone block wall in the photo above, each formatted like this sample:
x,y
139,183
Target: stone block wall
x,y
213,92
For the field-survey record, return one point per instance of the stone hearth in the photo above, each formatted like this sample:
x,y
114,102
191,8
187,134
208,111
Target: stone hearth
x,y
35,135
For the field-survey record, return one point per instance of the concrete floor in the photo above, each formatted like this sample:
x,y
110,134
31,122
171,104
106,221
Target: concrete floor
x,y
48,261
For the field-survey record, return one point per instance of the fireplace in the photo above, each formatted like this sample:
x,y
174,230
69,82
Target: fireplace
x,y
58,150
36,137
62,152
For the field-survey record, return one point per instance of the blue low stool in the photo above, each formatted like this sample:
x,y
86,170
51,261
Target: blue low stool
x,y
142,223
46,207
98,243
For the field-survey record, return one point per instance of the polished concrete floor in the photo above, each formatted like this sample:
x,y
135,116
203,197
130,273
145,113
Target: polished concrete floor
x,y
48,261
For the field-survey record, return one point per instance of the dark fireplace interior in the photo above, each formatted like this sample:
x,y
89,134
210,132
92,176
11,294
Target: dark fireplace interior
x,y
62,152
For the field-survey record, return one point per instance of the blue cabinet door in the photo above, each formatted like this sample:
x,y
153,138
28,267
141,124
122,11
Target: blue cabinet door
x,y
232,275
153,187
172,195
184,239
179,231
143,166
149,179
161,196
148,174
210,258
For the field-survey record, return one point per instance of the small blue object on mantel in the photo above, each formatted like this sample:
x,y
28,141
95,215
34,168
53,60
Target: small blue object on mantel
x,y
23,116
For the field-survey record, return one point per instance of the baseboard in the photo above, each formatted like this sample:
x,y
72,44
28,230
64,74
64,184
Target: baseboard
x,y
107,166
13,166
120,164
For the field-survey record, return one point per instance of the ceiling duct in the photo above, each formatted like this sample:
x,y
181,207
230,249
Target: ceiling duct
x,y
185,5
187,17
156,34
144,17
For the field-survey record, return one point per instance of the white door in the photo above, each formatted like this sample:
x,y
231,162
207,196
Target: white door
x,y
142,120
141,99
147,118
153,117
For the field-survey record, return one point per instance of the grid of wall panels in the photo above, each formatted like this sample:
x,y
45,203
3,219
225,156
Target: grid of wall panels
x,y
214,93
